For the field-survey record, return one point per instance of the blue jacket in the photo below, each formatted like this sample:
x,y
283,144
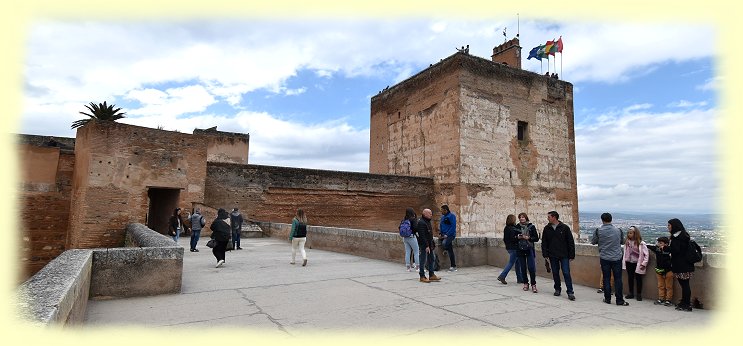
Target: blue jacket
x,y
448,225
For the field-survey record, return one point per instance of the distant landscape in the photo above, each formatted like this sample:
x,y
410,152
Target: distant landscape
x,y
706,229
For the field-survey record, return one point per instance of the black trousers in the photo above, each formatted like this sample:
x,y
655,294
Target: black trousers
x,y
219,250
632,277
685,292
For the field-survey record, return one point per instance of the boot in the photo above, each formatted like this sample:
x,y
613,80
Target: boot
x,y
424,279
434,278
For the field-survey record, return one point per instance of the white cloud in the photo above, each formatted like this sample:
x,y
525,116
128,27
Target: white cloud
x,y
687,104
649,161
710,84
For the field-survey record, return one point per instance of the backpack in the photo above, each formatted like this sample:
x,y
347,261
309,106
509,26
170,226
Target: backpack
x,y
694,252
405,230
301,231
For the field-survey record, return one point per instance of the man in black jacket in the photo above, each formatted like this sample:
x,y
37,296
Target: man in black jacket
x,y
558,245
426,245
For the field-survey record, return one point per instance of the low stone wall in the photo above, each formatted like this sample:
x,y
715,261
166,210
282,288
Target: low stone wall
x,y
58,294
151,264
585,269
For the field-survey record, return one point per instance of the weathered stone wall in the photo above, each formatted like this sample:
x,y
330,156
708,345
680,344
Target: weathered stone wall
x,y
330,198
44,197
225,147
456,122
114,172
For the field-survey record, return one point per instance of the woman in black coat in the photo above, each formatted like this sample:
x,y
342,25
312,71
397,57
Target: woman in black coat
x,y
221,232
682,269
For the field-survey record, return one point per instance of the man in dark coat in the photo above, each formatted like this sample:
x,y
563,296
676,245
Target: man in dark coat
x,y
558,245
426,246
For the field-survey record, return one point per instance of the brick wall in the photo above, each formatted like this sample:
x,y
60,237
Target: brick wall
x,y
330,198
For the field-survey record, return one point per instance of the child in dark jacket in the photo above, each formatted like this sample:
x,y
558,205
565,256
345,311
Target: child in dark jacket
x,y
663,271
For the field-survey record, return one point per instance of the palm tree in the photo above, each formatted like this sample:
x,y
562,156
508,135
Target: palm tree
x,y
100,111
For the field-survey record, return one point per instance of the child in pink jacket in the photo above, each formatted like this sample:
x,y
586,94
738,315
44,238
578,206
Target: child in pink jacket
x,y
635,261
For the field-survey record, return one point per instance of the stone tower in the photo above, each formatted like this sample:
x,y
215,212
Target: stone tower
x,y
496,140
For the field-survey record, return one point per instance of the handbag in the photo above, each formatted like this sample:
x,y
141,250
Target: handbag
x,y
229,246
211,243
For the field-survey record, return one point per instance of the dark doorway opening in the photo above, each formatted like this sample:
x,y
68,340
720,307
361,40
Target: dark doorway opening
x,y
162,202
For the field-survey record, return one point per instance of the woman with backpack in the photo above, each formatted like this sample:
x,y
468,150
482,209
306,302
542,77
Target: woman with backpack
x,y
527,253
298,236
682,269
407,232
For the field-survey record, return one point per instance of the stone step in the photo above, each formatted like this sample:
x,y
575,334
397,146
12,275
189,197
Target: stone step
x,y
251,231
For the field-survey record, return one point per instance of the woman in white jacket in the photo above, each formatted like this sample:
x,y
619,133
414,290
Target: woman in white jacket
x,y
635,261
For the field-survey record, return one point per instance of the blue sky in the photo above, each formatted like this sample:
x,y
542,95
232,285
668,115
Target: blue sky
x,y
646,112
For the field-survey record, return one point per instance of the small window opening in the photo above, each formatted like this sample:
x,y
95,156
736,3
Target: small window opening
x,y
522,130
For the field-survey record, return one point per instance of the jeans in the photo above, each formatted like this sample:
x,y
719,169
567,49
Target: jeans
x,y
631,276
177,235
411,246
236,239
513,258
447,246
195,234
526,260
609,269
298,243
564,264
426,261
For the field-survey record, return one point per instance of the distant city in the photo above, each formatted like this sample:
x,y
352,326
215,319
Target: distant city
x,y
705,229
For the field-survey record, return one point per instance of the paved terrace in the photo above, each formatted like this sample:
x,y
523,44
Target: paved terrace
x,y
257,289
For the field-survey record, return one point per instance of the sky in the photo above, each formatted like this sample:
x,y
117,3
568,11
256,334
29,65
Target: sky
x,y
647,114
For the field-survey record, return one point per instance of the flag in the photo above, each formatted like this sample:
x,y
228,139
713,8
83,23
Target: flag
x,y
559,45
534,53
551,47
542,52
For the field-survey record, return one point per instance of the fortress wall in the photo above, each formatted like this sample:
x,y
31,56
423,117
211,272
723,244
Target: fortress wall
x,y
330,198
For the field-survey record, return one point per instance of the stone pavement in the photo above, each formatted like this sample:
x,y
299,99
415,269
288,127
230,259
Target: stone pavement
x,y
258,289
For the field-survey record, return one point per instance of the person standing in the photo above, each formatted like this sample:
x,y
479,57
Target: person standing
x,y
236,220
663,271
448,231
635,262
175,226
682,269
610,240
510,239
407,232
426,246
197,223
298,236
530,234
559,246
221,234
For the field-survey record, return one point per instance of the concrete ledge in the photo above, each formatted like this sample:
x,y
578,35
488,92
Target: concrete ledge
x,y
58,293
152,265
474,251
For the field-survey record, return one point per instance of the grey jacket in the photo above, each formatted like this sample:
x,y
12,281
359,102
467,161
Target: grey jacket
x,y
610,240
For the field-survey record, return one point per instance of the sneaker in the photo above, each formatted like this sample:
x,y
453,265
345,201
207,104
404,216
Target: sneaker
x,y
623,304
408,269
534,288
629,296
452,269
239,248
424,279
571,297
639,298
607,301
192,250
526,287
292,262
557,293
195,250
658,302
219,264
667,303
683,308
599,291
502,280
434,278
304,262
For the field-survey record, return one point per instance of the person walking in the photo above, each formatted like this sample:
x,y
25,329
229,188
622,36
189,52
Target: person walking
x,y
236,220
448,231
559,246
510,239
635,261
197,223
426,246
609,240
175,226
528,257
408,234
221,233
298,236
682,270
